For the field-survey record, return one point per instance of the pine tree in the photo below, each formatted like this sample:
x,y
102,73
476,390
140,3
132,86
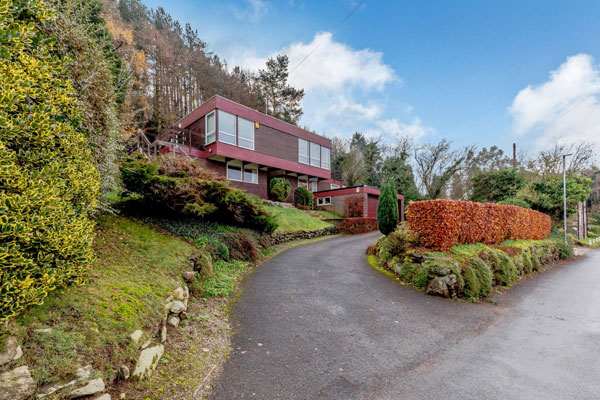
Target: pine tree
x,y
387,209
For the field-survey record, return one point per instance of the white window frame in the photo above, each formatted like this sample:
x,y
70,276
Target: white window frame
x,y
315,161
303,182
334,186
304,158
227,134
254,173
314,185
325,164
237,164
239,138
323,201
213,132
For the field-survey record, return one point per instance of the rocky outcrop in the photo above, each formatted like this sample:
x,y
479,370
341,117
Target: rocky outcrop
x,y
94,386
16,384
147,361
12,351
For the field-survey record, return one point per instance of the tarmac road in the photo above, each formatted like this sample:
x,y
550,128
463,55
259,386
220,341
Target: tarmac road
x,y
316,322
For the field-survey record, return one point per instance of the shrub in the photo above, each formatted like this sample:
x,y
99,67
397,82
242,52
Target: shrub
x,y
279,189
178,187
565,250
397,243
48,181
387,209
242,245
441,224
354,207
477,277
222,251
303,198
356,226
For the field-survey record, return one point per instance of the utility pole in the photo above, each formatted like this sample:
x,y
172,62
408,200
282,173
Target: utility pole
x,y
564,157
514,156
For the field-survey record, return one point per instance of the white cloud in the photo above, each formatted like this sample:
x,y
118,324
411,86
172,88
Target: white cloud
x,y
255,10
343,88
330,66
564,108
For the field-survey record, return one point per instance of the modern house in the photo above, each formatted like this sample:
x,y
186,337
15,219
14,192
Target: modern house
x,y
335,200
249,147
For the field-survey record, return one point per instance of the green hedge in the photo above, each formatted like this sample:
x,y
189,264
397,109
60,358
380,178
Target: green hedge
x,y
304,198
48,182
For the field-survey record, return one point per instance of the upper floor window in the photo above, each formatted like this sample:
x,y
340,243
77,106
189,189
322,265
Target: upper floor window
x,y
245,133
314,187
325,157
315,154
303,151
226,127
210,128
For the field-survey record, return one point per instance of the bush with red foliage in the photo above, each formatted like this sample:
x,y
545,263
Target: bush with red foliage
x,y
441,224
355,226
354,206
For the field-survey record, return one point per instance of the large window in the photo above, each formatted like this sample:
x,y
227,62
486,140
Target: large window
x,y
234,171
324,157
245,133
303,151
315,155
250,174
226,127
210,127
314,186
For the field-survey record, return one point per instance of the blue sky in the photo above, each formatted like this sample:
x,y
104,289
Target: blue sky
x,y
474,72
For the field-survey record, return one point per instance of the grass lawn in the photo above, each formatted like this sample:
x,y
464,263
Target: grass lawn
x,y
292,220
328,214
135,269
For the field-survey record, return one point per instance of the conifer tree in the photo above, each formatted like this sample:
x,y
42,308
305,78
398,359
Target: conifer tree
x,y
387,209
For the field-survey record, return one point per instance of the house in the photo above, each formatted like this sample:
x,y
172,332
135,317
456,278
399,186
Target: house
x,y
336,200
249,147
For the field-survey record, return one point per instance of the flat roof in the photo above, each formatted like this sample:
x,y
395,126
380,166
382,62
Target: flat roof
x,y
222,103
350,190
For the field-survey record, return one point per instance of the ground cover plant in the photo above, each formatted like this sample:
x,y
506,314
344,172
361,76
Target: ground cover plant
x,y
134,271
356,226
471,270
175,187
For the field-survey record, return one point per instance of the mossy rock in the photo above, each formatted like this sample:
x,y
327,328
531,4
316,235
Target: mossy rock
x,y
203,263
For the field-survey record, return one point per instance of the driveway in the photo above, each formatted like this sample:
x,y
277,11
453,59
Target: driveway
x,y
316,322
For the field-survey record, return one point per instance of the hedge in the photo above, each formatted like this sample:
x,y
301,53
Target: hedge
x,y
48,182
441,224
355,226
303,198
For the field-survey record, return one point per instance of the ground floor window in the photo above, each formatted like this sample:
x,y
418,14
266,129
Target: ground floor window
x,y
250,174
234,171
323,201
313,186
303,182
334,186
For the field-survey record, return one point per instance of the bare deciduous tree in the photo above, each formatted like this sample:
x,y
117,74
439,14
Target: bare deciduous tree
x,y
549,162
436,164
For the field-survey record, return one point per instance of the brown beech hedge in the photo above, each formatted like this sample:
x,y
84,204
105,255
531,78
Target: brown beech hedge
x,y
441,224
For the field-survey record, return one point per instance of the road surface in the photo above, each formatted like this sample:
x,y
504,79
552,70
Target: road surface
x,y
316,322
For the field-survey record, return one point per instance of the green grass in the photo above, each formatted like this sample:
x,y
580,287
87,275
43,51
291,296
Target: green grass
x,y
292,220
328,214
135,269
223,281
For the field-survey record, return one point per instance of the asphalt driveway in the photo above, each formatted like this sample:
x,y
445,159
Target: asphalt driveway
x,y
316,322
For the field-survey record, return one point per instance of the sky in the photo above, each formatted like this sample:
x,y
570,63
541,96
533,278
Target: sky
x,y
487,72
